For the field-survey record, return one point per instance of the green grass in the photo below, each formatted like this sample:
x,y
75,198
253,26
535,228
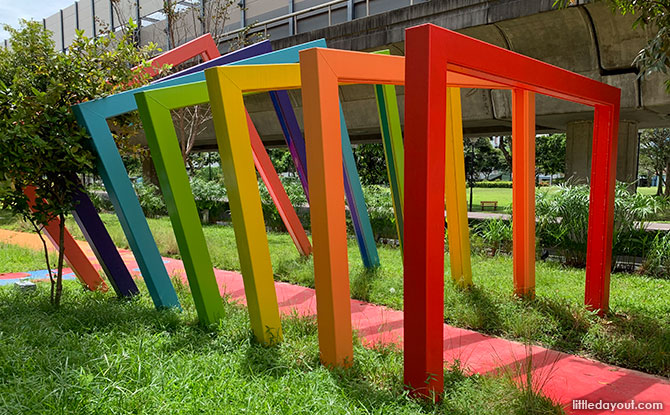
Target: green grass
x,y
504,198
649,191
99,355
636,334
17,259
502,195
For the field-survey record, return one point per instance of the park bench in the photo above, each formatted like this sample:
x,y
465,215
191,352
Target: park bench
x,y
490,203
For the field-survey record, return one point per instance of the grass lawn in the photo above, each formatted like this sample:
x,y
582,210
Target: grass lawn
x,y
504,198
636,334
502,195
100,355
649,191
17,259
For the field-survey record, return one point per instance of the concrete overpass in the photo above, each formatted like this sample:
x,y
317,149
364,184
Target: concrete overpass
x,y
588,39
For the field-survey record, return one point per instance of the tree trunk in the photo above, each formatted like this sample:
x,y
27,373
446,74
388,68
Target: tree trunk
x,y
46,258
61,256
506,153
659,184
667,177
149,170
471,186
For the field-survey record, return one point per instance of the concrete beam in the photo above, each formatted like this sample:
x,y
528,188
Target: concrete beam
x,y
599,44
578,151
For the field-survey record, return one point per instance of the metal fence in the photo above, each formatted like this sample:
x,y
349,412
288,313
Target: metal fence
x,y
274,18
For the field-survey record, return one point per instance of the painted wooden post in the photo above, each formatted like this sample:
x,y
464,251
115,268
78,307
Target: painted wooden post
x,y
269,176
77,259
154,105
103,246
523,182
324,165
172,175
394,152
354,195
601,207
425,109
352,183
456,203
154,108
93,116
321,71
432,52
232,133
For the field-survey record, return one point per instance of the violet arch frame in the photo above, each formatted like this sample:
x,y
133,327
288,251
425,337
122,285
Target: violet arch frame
x,y
154,107
296,144
93,116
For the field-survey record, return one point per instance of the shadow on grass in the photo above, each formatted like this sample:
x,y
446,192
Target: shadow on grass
x,y
574,322
361,282
484,306
632,340
94,337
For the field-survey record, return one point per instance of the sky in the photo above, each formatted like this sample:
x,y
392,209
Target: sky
x,y
12,10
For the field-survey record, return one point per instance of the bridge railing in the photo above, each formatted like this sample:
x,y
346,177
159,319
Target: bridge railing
x,y
292,18
274,19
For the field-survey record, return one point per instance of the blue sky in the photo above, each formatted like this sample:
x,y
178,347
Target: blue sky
x,y
12,10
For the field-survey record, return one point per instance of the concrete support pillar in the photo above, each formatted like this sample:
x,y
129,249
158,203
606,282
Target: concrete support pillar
x,y
579,146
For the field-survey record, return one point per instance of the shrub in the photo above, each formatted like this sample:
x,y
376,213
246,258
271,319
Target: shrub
x,y
40,141
270,214
100,200
632,212
294,191
297,197
499,184
496,234
657,262
150,199
208,173
210,197
380,208
563,218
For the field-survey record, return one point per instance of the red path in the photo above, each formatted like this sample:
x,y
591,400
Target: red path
x,y
563,377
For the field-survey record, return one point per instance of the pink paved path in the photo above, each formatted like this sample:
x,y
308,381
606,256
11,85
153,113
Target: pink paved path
x,y
562,377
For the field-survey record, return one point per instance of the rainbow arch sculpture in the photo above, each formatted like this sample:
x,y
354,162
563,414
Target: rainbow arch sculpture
x,y
438,63
437,58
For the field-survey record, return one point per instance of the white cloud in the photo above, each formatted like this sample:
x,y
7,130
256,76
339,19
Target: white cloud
x,y
13,10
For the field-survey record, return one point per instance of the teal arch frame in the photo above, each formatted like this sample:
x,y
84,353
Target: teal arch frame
x,y
93,116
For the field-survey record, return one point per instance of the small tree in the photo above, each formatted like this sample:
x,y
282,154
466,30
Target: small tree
x,y
655,154
282,160
550,154
371,163
481,159
40,141
506,150
184,24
